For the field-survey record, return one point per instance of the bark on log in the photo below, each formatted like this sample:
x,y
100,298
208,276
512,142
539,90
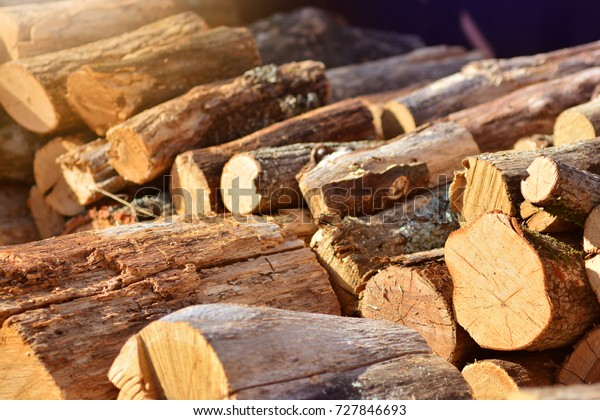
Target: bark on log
x,y
47,220
416,291
492,181
363,182
146,145
515,289
118,280
582,366
297,222
591,232
32,90
498,124
105,95
534,142
264,180
539,220
45,169
561,189
88,174
309,356
430,63
573,392
485,80
314,34
16,226
495,379
196,174
352,249
581,122
34,29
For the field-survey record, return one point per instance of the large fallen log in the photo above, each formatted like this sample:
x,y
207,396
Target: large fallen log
x,y
105,95
582,366
314,34
515,289
581,122
573,392
16,225
492,181
32,90
115,281
198,353
366,181
146,145
416,291
196,174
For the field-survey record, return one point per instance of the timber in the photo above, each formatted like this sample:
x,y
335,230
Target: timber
x,y
48,221
105,95
591,232
196,174
16,225
198,353
45,169
416,291
539,220
581,122
582,366
366,181
526,305
116,281
33,89
534,142
573,392
146,145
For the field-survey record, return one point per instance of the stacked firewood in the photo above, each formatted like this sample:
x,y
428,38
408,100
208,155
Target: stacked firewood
x,y
306,168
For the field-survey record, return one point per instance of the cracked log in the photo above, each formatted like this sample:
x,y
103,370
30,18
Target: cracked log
x,y
32,90
582,366
89,292
579,123
415,290
105,95
146,145
196,174
518,290
200,353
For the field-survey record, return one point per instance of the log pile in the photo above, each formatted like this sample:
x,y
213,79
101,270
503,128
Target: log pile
x,y
380,218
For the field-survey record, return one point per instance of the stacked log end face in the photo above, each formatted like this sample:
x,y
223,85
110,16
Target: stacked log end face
x,y
115,281
146,145
309,356
579,123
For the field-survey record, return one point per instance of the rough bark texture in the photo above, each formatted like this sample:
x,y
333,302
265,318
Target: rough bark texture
x,y
591,232
16,226
581,122
47,220
32,90
573,392
196,174
582,366
539,220
416,291
314,34
146,145
115,281
498,124
517,290
33,29
492,181
297,222
352,249
363,182
88,173
264,180
105,95
308,356
391,73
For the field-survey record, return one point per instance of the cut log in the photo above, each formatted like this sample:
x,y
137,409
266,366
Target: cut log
x,y
353,248
416,291
314,34
33,29
118,280
391,73
498,124
47,220
495,379
592,269
582,366
196,174
16,225
32,90
485,80
573,392
591,232
364,182
105,95
492,181
146,145
534,142
63,199
539,220
264,180
198,353
88,174
515,289
581,122
561,189
17,149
